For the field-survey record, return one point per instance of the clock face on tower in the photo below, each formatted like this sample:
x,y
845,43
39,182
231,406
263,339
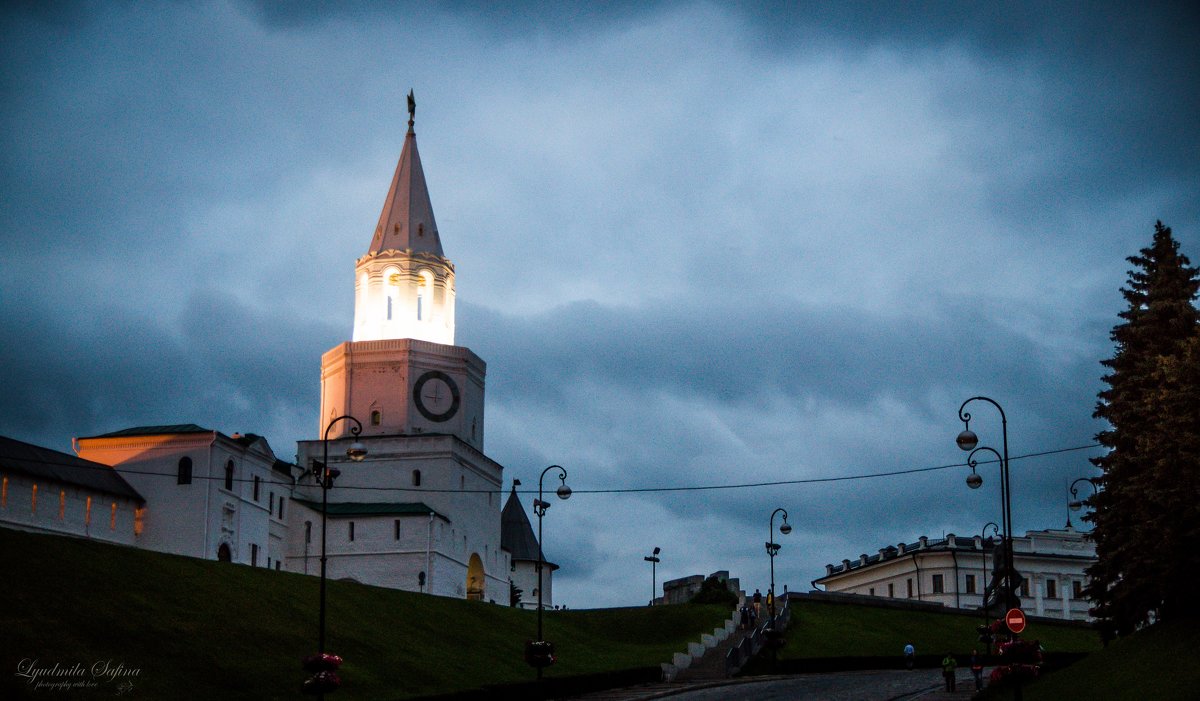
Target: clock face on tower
x,y
436,396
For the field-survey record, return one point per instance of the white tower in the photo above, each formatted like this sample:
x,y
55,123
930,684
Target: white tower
x,y
422,511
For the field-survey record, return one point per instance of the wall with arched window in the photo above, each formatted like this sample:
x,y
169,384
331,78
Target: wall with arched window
x,y
183,473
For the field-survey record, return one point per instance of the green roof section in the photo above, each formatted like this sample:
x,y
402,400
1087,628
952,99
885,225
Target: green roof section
x,y
411,508
155,430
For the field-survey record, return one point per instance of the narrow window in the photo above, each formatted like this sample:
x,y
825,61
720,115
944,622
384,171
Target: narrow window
x,y
910,588
4,492
112,521
33,501
268,562
939,584
891,590
138,518
308,531
184,474
277,565
424,289
280,507
257,480
229,475
253,555
87,513
416,478
376,417
389,308
396,523
1025,588
872,591
1051,589
351,531
970,584
62,504
270,503
1076,589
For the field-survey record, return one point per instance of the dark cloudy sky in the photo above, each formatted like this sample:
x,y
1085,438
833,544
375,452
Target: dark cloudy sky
x,y
696,244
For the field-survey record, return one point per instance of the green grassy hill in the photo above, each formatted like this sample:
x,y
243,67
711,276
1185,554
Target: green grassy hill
x,y
197,629
1158,663
828,629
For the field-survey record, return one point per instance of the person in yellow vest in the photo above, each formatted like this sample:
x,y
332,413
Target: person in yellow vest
x,y
948,668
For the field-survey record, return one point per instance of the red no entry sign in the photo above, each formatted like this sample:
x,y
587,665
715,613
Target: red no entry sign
x,y
1015,620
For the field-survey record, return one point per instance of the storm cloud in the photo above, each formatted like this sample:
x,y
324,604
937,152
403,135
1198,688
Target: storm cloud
x,y
696,245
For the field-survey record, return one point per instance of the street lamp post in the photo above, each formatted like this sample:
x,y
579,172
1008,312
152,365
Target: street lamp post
x,y
653,560
326,474
539,508
772,551
967,440
983,592
1076,503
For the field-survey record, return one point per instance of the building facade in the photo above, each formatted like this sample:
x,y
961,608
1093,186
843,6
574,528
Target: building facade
x,y
208,495
45,491
955,571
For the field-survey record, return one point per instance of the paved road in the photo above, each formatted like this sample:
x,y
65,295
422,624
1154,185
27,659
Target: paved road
x,y
883,685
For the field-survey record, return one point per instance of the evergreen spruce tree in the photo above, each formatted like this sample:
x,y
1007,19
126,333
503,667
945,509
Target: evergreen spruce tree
x,y
1151,407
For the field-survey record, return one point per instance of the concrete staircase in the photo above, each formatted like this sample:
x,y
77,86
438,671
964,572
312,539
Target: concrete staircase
x,y
711,666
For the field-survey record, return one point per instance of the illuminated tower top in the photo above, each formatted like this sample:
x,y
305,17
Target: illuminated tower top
x,y
404,285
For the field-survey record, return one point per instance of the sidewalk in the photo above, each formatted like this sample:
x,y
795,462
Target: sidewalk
x,y
964,689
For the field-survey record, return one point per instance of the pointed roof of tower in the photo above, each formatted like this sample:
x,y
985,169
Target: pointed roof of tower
x,y
406,222
516,533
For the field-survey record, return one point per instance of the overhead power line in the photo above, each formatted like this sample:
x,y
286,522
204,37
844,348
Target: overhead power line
x,y
625,490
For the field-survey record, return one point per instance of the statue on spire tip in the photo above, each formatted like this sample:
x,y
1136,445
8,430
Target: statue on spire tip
x,y
412,107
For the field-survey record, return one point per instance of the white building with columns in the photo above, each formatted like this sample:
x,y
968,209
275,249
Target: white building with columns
x,y
955,570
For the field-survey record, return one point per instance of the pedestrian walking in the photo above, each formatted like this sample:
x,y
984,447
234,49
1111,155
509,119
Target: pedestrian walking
x,y
949,665
909,654
977,670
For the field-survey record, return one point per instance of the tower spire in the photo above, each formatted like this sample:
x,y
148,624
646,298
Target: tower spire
x,y
404,285
407,222
412,110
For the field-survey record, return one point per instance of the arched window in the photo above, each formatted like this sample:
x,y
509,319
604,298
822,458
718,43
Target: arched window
x,y
416,478
224,554
424,294
229,475
391,292
184,474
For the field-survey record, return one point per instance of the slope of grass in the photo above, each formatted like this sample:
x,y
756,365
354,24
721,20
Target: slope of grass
x,y
827,629
1157,663
196,629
